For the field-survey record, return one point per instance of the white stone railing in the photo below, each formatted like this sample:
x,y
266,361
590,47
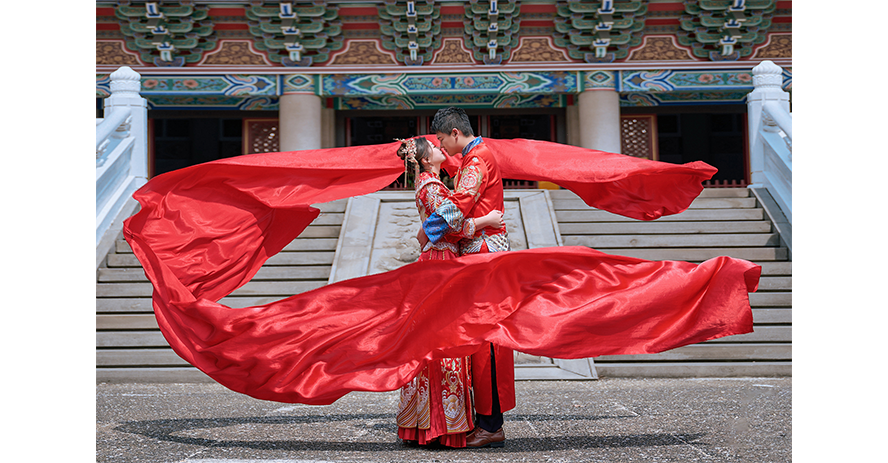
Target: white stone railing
x,y
770,135
121,156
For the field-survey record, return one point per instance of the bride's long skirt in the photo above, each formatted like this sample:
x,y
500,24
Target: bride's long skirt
x,y
437,403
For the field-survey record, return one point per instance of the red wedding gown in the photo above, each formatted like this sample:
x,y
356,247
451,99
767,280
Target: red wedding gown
x,y
205,230
437,403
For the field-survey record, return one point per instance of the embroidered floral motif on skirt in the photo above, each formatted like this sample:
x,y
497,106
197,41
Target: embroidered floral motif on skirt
x,y
437,404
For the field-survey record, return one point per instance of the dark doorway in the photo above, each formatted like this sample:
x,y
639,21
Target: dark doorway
x,y
379,130
719,139
531,126
180,142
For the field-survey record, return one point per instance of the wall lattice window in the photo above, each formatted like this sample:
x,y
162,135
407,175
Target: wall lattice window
x,y
639,136
261,136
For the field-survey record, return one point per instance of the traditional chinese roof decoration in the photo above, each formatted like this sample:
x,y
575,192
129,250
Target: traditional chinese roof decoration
x,y
725,30
491,29
295,33
411,29
166,35
599,32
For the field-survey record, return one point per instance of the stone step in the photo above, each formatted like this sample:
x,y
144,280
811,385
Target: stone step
x,y
706,193
151,375
126,322
130,339
769,283
281,258
300,244
139,357
252,288
699,203
124,305
133,274
704,352
772,316
770,299
753,254
766,333
593,216
693,369
658,227
144,305
604,242
776,268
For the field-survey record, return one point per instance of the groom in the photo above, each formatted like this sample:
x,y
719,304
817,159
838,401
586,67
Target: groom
x,y
478,190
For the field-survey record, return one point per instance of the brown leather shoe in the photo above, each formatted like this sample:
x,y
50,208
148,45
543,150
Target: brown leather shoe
x,y
479,438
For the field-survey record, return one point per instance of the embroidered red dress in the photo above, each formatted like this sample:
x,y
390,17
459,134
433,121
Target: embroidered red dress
x,y
437,403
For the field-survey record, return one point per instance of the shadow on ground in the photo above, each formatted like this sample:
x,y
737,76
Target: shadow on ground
x,y
171,430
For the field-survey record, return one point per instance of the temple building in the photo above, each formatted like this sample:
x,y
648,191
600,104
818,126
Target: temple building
x,y
660,79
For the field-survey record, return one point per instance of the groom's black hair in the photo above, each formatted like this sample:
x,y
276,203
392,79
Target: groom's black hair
x,y
447,119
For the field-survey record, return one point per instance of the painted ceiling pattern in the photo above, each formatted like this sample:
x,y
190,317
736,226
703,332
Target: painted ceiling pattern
x,y
310,33
338,44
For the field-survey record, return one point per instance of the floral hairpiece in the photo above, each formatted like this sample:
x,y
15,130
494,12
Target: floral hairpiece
x,y
409,148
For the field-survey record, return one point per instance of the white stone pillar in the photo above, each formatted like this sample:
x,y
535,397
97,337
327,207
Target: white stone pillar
x,y
125,86
299,121
598,111
573,125
328,128
767,78
599,114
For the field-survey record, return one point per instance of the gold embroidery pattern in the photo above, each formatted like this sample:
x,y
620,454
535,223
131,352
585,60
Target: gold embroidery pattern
x,y
471,178
454,394
413,409
495,243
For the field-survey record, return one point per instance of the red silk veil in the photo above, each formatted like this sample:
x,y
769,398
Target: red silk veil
x,y
203,231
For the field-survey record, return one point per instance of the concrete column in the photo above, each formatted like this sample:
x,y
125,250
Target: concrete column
x,y
300,121
599,120
573,125
328,128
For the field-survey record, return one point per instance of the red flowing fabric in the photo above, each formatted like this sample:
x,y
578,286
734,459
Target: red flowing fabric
x,y
625,185
204,231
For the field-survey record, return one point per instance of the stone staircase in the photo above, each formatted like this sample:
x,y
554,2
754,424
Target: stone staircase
x,y
129,345
722,221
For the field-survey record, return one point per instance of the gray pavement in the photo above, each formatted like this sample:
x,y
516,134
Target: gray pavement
x,y
608,420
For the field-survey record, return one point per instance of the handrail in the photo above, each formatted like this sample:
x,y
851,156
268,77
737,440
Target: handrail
x,y
121,157
770,136
110,124
780,116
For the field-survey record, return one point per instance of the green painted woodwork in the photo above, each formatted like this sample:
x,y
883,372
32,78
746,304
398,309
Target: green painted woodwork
x,y
412,38
566,8
188,33
576,23
320,33
481,8
313,11
480,38
400,9
703,28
